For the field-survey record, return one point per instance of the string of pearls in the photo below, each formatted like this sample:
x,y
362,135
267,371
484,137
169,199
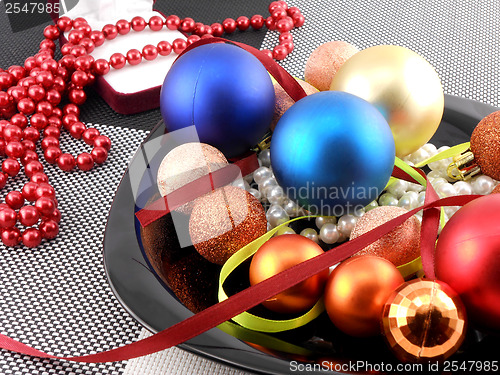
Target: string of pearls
x,y
279,209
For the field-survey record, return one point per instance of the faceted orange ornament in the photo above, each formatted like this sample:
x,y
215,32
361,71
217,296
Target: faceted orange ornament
x,y
424,320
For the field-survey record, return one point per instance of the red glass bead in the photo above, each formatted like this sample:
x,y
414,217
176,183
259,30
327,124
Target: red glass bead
x,y
101,67
76,129
79,21
12,133
3,180
88,44
71,109
54,97
192,38
52,131
97,37
11,236
280,52
19,120
278,13
90,135
47,44
273,5
45,108
28,145
102,141
110,32
32,134
45,205
29,63
187,25
39,178
38,121
51,154
217,29
288,44
31,237
57,112
64,24
67,61
257,22
29,191
84,161
267,52
14,199
26,106
29,156
79,78
117,60
36,92
55,121
284,37
45,190
134,57
33,167
84,62
292,10
2,148
49,229
123,27
66,49
46,79
14,150
51,141
243,23
8,218
4,99
155,23
75,36
51,32
55,216
66,162
270,23
6,80
229,25
149,52
284,25
28,216
173,22
298,19
77,96
68,119
99,154
138,24
179,45
164,48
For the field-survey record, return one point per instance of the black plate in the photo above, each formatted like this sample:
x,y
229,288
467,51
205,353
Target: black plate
x,y
153,305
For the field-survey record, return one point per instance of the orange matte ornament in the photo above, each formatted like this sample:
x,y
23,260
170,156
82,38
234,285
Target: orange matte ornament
x,y
356,292
279,254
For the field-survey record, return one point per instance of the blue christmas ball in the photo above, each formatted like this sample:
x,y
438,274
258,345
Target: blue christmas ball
x,y
224,91
332,152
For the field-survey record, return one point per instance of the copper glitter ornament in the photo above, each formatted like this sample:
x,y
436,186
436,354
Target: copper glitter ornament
x,y
284,101
325,61
399,246
279,254
496,190
424,320
187,163
224,221
356,292
484,153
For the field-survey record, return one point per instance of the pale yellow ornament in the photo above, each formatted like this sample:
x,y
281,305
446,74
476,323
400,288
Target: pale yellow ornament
x,y
402,85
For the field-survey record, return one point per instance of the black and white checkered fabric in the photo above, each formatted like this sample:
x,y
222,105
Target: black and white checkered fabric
x,y
56,297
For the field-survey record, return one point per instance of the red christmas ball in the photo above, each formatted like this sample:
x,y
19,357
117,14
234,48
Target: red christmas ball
x,y
468,259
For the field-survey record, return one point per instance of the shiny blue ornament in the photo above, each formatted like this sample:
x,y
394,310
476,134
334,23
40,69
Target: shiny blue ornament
x,y
332,152
225,92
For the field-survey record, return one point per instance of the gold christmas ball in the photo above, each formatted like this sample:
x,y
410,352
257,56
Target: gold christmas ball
x,y
403,86
224,221
399,246
424,320
187,163
356,292
279,254
283,100
485,145
325,61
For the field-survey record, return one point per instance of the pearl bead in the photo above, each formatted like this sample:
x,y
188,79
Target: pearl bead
x,y
430,148
277,216
419,156
387,199
291,208
451,210
284,230
329,233
262,174
463,188
359,211
446,190
311,234
322,220
257,194
275,195
415,187
438,173
435,182
421,198
265,157
270,181
371,206
398,188
346,224
241,183
482,185
409,200
441,164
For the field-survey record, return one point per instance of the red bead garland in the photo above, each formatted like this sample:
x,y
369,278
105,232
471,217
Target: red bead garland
x,y
31,96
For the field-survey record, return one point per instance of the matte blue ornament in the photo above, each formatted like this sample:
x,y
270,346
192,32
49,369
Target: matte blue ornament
x,y
332,152
225,92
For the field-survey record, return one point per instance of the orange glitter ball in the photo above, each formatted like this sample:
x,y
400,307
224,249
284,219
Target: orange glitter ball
x,y
399,246
424,320
485,145
224,221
